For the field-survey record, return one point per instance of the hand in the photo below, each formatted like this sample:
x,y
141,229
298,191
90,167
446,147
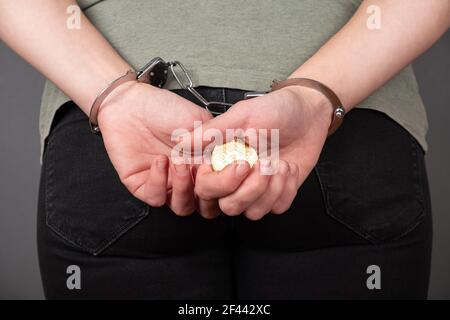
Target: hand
x,y
137,121
238,186
302,116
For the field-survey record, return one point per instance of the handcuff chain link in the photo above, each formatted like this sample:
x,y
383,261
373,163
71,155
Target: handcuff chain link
x,y
189,86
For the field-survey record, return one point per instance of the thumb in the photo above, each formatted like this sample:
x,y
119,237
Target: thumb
x,y
213,132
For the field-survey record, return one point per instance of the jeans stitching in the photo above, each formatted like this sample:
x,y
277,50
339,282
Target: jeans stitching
x,y
50,212
223,95
418,190
329,209
121,231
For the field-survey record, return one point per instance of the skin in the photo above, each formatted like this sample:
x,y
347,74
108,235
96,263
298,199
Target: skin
x,y
354,63
304,122
129,114
139,144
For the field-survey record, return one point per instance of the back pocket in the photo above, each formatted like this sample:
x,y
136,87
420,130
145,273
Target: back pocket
x,y
86,204
370,175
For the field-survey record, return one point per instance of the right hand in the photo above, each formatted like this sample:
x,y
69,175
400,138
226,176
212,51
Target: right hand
x,y
137,121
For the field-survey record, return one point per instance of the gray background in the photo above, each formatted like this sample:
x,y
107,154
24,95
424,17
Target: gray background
x,y
20,92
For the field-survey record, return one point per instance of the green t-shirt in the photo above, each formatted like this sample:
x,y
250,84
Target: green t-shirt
x,y
236,44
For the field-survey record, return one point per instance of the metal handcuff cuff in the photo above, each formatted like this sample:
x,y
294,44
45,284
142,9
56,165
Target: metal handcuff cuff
x,y
156,73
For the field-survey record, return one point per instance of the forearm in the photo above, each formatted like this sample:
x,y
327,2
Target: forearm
x,y
79,61
358,60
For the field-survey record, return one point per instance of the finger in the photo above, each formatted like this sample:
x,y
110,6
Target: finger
x,y
210,185
289,193
263,205
213,130
208,209
155,190
250,190
182,200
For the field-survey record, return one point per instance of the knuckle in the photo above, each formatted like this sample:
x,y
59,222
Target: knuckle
x,y
280,208
227,185
202,192
257,187
230,208
156,201
254,214
277,210
126,182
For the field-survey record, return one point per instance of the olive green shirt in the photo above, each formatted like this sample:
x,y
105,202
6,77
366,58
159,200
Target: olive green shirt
x,y
235,44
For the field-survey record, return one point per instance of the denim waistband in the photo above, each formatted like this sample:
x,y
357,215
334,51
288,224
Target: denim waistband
x,y
216,94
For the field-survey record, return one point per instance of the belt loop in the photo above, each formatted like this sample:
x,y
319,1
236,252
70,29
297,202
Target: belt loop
x,y
224,97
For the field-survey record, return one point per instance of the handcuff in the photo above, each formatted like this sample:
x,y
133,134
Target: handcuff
x,y
156,73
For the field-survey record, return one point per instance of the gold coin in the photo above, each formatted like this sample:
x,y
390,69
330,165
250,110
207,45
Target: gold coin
x,y
225,154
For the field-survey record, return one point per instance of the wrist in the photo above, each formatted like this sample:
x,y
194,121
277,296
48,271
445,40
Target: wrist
x,y
153,74
314,100
90,84
123,99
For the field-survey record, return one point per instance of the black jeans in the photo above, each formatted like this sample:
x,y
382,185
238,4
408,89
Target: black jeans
x,y
365,204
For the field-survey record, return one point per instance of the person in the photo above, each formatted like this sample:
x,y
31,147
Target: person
x,y
344,217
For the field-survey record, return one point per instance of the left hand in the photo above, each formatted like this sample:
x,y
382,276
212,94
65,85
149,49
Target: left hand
x,y
138,139
303,117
